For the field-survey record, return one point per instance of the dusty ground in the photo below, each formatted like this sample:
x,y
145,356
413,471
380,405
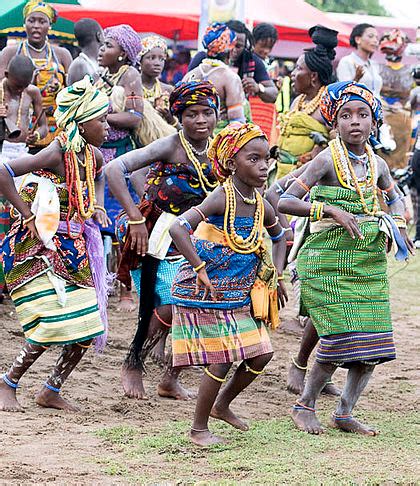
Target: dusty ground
x,y
51,447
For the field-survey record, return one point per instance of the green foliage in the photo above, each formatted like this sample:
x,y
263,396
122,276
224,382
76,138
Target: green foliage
x,y
369,7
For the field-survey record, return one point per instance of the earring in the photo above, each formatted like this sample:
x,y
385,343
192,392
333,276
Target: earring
x,y
120,58
81,130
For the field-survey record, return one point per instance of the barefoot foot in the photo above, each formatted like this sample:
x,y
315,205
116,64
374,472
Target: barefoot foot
x,y
331,389
132,382
295,379
307,421
126,304
205,438
50,399
171,388
352,425
8,401
229,417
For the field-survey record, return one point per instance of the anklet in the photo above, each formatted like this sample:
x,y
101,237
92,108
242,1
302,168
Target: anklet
x,y
10,382
52,388
160,319
216,378
255,372
342,417
199,430
303,368
300,406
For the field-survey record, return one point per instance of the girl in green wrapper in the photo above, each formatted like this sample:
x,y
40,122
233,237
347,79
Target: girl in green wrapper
x,y
342,263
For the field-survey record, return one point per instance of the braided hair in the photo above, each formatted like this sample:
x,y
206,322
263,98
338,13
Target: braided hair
x,y
245,60
240,28
319,58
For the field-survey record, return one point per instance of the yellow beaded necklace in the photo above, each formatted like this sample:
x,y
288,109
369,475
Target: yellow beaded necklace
x,y
205,184
2,96
347,176
303,106
150,94
236,242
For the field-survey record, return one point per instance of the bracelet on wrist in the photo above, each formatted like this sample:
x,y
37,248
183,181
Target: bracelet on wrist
x,y
199,267
101,208
28,220
139,221
280,277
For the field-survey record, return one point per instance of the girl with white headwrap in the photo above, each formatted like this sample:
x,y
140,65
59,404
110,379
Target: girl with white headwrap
x,y
53,253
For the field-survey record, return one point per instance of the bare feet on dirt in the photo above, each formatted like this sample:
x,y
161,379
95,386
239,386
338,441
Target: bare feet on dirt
x,y
353,425
132,382
8,401
307,421
126,304
205,438
50,399
171,388
229,417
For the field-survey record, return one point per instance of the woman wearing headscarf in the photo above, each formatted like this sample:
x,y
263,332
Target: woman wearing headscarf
x,y
51,63
303,132
397,81
121,82
53,253
180,177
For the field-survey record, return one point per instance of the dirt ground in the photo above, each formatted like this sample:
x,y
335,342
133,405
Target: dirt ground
x,y
51,447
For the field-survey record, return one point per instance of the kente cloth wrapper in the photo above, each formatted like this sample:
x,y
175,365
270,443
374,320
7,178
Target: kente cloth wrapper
x,y
215,336
239,279
218,39
344,282
227,143
191,93
150,42
35,6
166,273
127,38
366,347
76,104
45,322
338,94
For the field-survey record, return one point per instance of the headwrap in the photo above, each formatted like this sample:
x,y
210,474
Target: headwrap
x,y
79,103
218,39
338,94
393,44
127,38
190,93
150,42
34,6
227,143
319,58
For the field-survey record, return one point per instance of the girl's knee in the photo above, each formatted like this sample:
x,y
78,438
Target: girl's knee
x,y
221,370
260,362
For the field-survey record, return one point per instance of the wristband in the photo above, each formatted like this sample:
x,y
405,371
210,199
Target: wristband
x,y
134,222
199,267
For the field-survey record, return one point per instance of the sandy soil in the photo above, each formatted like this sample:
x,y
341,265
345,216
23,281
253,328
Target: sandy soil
x,y
51,447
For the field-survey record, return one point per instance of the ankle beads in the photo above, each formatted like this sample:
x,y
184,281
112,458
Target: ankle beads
x,y
52,388
10,383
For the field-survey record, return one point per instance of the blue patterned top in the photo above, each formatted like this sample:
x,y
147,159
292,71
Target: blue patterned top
x,y
232,274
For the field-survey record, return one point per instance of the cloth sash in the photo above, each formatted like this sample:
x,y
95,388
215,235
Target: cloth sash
x,y
264,291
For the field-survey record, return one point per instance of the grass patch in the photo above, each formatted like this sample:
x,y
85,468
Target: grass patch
x,y
272,452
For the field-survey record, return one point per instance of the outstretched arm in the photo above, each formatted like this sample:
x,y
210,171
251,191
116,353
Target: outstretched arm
x,y
184,227
117,169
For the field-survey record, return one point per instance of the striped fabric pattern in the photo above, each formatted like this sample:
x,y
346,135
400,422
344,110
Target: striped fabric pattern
x,y
215,336
46,322
344,282
344,349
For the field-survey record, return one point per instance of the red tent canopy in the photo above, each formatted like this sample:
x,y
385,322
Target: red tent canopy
x,y
180,20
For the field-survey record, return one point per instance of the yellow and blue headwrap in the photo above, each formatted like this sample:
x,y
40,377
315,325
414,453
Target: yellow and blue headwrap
x,y
34,6
79,103
227,143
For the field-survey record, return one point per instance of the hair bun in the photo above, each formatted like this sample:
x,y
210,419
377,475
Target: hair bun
x,y
326,38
